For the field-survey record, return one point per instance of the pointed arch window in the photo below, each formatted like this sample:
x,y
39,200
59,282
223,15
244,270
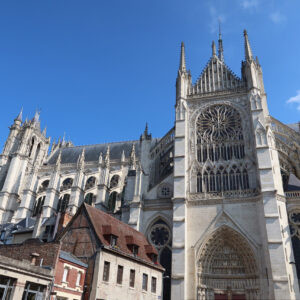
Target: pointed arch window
x,y
90,183
38,206
89,199
63,203
112,202
43,186
114,181
67,184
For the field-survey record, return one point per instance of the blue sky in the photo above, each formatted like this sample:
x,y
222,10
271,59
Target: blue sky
x,y
98,70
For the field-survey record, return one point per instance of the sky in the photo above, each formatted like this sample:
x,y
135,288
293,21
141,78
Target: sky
x,y
99,70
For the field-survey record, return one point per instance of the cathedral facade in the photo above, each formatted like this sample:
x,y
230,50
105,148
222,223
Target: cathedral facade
x,y
218,195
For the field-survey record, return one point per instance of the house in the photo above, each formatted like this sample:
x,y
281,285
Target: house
x,y
121,262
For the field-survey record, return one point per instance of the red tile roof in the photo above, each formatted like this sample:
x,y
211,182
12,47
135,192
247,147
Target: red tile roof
x,y
105,224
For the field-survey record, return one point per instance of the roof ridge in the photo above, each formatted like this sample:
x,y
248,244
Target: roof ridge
x,y
115,219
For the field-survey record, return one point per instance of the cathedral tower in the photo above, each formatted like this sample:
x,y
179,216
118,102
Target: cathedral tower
x,y
23,154
231,237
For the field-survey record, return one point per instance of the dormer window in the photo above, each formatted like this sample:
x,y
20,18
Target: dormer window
x,y
113,240
110,234
151,253
132,244
135,250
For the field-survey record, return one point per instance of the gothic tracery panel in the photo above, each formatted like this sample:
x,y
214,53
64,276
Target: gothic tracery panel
x,y
220,150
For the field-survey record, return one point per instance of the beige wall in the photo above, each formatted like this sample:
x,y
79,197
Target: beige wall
x,y
112,291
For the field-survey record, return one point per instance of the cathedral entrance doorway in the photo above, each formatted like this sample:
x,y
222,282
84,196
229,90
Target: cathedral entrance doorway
x,y
227,268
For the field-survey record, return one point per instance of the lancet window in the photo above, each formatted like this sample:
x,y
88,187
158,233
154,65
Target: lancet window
x,y
63,203
89,198
38,206
114,181
220,150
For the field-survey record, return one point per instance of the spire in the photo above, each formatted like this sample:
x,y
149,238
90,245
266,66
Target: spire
x,y
100,159
182,59
58,161
213,46
132,158
146,129
44,132
80,161
220,50
248,51
20,115
123,157
107,157
36,116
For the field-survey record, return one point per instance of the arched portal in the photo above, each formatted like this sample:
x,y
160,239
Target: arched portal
x,y
227,268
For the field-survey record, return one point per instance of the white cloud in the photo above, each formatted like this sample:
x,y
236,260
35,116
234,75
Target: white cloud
x,y
248,4
277,17
216,17
295,99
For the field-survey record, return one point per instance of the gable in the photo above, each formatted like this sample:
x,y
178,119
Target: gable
x,y
215,77
79,238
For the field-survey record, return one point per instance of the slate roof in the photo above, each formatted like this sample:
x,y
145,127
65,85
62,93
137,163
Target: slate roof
x,y
104,223
293,184
71,258
92,152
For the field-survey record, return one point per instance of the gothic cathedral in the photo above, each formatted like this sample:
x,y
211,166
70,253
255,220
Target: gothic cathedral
x,y
218,195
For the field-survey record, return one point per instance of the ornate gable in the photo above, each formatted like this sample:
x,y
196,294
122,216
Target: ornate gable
x,y
215,77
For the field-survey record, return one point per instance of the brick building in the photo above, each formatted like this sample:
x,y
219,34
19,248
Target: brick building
x,y
69,277
95,256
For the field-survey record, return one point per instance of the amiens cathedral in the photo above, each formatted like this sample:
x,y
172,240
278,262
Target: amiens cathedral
x,y
218,195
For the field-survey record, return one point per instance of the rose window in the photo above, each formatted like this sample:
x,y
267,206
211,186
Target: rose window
x,y
159,235
219,123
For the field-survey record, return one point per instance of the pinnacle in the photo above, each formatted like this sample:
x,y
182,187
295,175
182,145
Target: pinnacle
x,y
182,66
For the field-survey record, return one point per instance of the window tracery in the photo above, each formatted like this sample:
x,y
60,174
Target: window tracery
x,y
294,218
220,141
43,186
114,181
164,191
67,184
90,183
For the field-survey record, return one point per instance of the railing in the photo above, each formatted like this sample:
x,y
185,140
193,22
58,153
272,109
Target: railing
x,y
226,194
292,194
